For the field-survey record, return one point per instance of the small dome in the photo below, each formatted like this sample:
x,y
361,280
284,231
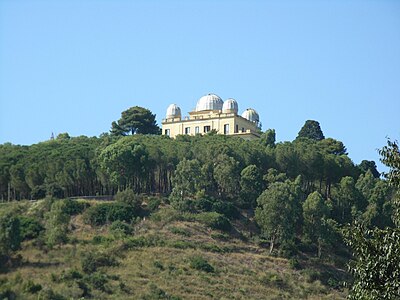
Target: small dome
x,y
209,102
230,106
251,115
173,111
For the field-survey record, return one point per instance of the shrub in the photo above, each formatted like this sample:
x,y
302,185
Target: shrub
x,y
74,207
99,239
157,293
103,213
180,231
98,281
153,203
294,263
49,294
225,208
199,263
214,220
130,198
120,229
184,205
38,192
90,262
30,228
203,204
31,287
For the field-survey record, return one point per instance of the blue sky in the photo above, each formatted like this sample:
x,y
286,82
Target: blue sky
x,y
74,66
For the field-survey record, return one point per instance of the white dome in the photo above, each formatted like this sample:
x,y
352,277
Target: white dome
x,y
209,102
173,111
251,115
230,106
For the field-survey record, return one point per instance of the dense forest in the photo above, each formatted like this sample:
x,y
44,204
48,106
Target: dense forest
x,y
302,194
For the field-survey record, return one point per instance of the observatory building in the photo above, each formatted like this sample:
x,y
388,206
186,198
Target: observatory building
x,y
211,113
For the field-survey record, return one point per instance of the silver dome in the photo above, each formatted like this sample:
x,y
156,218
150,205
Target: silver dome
x,y
209,102
230,106
251,115
173,111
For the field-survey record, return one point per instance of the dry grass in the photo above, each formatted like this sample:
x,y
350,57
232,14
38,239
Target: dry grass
x,y
243,270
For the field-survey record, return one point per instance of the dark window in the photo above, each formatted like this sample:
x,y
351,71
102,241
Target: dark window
x,y
226,129
187,130
207,129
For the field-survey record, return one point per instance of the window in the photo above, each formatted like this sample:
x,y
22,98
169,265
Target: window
x,y
197,129
237,128
207,129
242,129
187,130
226,129
167,132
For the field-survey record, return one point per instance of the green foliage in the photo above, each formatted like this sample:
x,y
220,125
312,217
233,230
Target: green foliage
x,y
278,212
214,220
57,220
201,264
31,287
377,265
315,212
30,227
74,207
135,120
156,293
252,185
130,198
91,261
10,236
311,130
104,213
120,229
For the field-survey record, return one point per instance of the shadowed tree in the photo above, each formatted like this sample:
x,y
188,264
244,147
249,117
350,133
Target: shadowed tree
x,y
311,130
135,120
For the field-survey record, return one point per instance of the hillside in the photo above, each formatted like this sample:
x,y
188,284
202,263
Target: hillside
x,y
168,255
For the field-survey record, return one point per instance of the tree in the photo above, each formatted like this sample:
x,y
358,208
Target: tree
x,y
226,175
188,180
315,212
10,236
57,221
369,165
135,120
268,138
277,212
311,130
376,267
251,184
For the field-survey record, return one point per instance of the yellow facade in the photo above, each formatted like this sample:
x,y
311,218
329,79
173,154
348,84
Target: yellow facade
x,y
201,122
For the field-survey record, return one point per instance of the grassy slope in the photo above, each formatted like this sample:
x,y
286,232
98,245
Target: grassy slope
x,y
162,269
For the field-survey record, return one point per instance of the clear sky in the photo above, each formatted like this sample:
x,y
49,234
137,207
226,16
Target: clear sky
x,y
74,66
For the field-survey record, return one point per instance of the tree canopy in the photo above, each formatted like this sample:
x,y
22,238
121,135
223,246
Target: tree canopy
x,y
135,120
312,130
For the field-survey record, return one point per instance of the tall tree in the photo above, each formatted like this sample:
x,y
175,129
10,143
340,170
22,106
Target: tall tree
x,y
135,120
315,212
278,213
311,130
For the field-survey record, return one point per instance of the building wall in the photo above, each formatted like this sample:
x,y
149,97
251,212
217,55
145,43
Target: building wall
x,y
215,121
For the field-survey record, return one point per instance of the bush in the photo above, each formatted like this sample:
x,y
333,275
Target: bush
x,y
98,281
74,207
214,220
199,263
294,263
30,228
90,262
31,287
49,294
130,198
203,205
103,213
225,208
153,203
120,229
38,192
180,231
185,205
